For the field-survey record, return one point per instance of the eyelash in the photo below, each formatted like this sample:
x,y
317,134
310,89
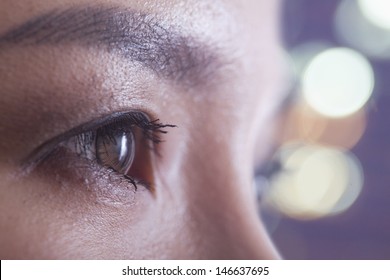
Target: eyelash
x,y
152,130
82,140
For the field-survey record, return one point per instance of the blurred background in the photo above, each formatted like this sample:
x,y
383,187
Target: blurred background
x,y
327,193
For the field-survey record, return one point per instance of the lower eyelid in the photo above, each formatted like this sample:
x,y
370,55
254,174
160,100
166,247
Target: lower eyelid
x,y
71,173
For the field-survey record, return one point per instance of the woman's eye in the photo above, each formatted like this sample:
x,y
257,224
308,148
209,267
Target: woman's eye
x,y
121,143
116,151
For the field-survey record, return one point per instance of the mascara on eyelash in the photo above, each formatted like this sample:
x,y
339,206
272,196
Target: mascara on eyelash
x,y
150,129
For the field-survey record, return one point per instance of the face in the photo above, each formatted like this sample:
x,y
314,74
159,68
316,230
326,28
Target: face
x,y
131,129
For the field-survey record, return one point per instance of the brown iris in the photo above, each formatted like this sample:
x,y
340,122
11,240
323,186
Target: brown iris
x,y
116,150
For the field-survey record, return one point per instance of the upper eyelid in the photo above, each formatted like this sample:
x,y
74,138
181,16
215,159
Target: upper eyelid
x,y
44,150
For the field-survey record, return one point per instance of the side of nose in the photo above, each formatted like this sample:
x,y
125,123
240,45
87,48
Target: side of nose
x,y
231,231
222,211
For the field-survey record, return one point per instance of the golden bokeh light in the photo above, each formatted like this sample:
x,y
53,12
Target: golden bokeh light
x,y
306,125
315,182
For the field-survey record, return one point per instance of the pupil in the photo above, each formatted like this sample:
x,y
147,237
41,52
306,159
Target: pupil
x,y
115,150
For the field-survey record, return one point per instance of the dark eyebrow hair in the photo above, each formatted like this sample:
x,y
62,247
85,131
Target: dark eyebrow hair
x,y
134,35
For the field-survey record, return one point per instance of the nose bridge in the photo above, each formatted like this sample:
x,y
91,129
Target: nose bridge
x,y
222,209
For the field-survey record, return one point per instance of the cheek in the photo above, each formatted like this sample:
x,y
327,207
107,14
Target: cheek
x,y
40,220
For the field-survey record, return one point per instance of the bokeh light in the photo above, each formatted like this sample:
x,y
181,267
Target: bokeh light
x,y
354,29
336,110
337,82
315,182
301,55
303,124
376,11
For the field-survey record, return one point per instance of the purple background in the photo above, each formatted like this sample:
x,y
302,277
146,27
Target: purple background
x,y
363,231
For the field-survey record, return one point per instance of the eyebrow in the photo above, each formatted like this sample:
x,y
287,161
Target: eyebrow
x,y
131,34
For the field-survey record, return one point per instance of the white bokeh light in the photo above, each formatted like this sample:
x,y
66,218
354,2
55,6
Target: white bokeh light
x,y
355,30
337,82
376,11
301,55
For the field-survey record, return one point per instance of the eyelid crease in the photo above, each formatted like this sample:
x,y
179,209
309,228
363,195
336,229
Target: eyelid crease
x,y
133,117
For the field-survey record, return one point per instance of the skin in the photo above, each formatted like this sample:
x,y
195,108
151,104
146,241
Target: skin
x,y
202,205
